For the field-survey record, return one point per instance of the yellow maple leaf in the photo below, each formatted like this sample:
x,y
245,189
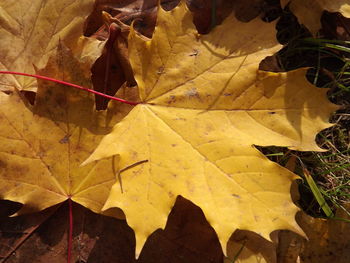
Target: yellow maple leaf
x,y
31,30
309,12
42,146
204,107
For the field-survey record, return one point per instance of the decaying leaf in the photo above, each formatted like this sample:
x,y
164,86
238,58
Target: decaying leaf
x,y
14,231
42,146
187,237
328,240
30,32
204,106
43,238
301,8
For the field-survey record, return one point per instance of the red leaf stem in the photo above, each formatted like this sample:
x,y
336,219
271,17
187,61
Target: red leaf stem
x,y
70,234
69,84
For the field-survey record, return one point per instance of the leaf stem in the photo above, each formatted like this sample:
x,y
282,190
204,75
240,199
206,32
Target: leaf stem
x,y
69,84
70,234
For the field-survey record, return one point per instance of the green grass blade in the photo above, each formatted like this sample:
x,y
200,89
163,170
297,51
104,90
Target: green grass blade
x,y
317,194
338,47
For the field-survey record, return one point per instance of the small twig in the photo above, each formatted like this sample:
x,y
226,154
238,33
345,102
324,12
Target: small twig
x,y
126,168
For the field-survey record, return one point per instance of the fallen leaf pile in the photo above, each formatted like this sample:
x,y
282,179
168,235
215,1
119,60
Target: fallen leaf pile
x,y
204,105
